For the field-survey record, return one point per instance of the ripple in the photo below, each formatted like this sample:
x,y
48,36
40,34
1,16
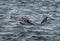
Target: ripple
x,y
35,10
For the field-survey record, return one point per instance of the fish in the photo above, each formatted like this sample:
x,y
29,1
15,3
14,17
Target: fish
x,y
25,21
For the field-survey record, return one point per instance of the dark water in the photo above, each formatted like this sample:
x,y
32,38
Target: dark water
x,y
35,10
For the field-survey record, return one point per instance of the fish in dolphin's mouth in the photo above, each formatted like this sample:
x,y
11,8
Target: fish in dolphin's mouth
x,y
25,21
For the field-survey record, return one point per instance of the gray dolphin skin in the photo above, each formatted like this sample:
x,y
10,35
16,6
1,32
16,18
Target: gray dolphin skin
x,y
44,20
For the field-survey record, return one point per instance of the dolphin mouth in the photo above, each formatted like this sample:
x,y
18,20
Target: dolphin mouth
x,y
26,23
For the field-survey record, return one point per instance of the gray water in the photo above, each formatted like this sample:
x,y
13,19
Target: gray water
x,y
35,10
